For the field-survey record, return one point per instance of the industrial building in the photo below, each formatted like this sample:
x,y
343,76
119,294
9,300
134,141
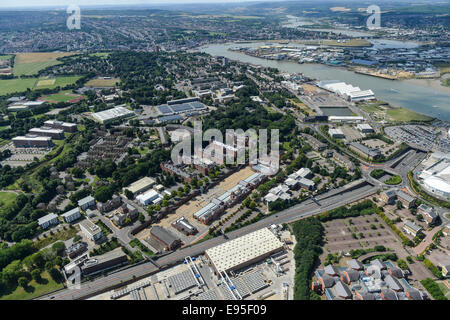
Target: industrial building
x,y
163,240
32,141
48,132
364,128
65,126
21,106
336,133
113,114
184,226
150,197
365,151
436,177
106,261
347,91
243,251
141,185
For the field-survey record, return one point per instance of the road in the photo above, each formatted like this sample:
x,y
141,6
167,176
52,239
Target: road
x,y
328,201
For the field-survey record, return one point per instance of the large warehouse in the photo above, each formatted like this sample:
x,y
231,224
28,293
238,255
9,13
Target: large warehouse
x,y
241,252
436,178
112,114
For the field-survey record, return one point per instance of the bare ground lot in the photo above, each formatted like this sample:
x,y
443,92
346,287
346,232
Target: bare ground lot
x,y
187,210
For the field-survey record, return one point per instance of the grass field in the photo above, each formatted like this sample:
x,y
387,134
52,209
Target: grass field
x,y
100,82
30,63
5,57
402,114
34,289
7,198
63,96
19,85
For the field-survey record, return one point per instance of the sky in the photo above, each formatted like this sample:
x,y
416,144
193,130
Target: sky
x,y
41,3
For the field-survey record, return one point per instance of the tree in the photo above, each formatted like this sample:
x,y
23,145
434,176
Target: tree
x,y
36,275
59,248
23,282
129,194
56,275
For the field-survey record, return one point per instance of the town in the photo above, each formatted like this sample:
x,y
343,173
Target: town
x,y
99,202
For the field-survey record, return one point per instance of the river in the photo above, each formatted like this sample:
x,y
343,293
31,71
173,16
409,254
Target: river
x,y
408,94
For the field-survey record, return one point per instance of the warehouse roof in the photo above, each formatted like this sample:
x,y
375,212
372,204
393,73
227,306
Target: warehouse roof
x,y
113,113
141,184
236,252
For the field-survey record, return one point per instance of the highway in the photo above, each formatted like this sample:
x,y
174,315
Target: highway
x,y
330,200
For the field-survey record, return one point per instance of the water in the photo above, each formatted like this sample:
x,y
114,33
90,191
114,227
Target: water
x,y
418,98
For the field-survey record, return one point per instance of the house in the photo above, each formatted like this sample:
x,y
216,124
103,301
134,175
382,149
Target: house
x,y
396,272
393,283
331,270
109,205
125,212
48,220
413,294
86,203
343,291
71,215
428,213
378,264
326,281
349,276
91,230
355,265
388,294
411,228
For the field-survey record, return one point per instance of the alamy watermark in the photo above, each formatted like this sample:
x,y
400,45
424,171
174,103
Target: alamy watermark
x,y
234,150
74,20
374,20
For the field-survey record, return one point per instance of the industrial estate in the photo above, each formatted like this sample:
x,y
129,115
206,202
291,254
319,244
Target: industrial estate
x,y
99,202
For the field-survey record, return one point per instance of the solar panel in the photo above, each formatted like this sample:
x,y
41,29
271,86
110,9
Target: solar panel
x,y
197,105
208,295
182,281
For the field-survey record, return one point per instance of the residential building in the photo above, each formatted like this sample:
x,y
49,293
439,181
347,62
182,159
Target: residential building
x,y
109,205
48,220
87,202
71,215
91,230
411,228
428,213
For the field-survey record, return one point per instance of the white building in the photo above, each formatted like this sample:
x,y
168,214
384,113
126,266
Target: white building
x,y
91,230
87,202
365,128
336,133
241,252
113,114
71,215
150,197
48,220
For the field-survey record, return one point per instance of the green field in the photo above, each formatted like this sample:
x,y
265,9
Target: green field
x,y
402,114
5,57
19,85
30,63
7,198
62,96
34,289
33,67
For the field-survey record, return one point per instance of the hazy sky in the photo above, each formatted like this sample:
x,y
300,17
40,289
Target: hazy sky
x,y
40,3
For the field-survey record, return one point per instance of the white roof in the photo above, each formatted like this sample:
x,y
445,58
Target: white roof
x,y
113,113
438,183
237,252
141,184
151,195
32,138
46,130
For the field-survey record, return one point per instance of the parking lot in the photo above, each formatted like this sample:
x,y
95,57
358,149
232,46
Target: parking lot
x,y
20,157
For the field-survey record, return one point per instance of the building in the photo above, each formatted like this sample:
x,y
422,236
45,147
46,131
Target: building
x,y
106,261
91,230
243,251
345,119
164,239
389,196
406,199
109,205
125,212
48,220
76,249
277,193
436,178
32,141
113,114
365,151
150,197
184,226
428,213
65,126
174,170
141,185
336,133
86,203
411,228
57,134
365,128
71,215
316,144
22,106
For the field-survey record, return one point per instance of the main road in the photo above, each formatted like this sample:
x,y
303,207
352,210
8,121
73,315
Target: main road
x,y
327,201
